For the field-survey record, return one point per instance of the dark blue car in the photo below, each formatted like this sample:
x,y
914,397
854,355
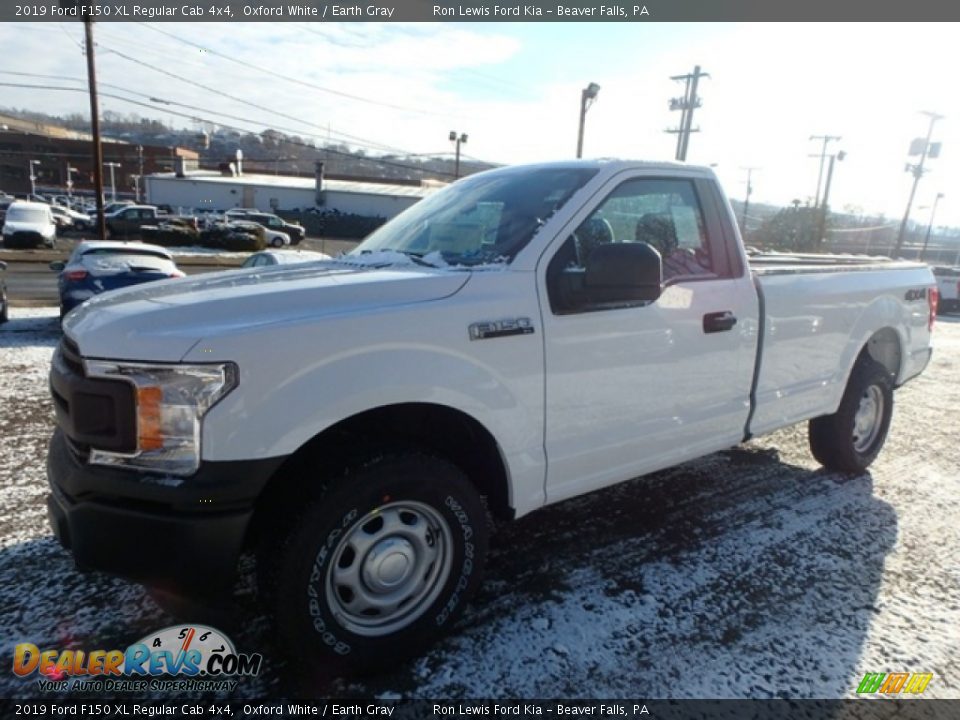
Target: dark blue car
x,y
98,266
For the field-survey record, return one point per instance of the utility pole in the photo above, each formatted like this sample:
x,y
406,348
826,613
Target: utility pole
x,y
926,238
827,139
95,127
746,200
917,171
825,205
687,104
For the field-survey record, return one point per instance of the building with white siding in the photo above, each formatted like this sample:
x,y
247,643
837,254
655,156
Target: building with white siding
x,y
217,191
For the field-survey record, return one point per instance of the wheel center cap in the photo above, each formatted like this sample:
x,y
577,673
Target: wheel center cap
x,y
388,564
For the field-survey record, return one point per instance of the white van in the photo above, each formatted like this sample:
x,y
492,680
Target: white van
x,y
29,224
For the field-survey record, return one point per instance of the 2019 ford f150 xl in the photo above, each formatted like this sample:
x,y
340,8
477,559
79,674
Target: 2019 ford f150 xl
x,y
520,337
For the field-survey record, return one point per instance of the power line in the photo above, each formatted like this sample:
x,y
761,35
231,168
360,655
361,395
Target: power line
x,y
348,138
380,161
263,108
297,81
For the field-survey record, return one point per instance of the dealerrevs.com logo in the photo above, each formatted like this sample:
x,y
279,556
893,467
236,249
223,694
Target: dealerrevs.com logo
x,y
894,683
191,657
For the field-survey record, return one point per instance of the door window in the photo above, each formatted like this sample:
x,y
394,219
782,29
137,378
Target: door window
x,y
665,214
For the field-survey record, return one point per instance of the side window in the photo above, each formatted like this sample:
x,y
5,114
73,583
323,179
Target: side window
x,y
665,214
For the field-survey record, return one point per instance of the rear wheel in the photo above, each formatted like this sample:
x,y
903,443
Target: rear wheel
x,y
4,311
851,438
382,563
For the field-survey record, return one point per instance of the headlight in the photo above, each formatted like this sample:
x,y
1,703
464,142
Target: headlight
x,y
171,401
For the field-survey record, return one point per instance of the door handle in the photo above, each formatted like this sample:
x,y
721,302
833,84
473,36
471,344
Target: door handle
x,y
719,321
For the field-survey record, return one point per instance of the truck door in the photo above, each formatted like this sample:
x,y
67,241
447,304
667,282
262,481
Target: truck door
x,y
635,388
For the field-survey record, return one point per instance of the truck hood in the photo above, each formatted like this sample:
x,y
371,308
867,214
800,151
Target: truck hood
x,y
161,321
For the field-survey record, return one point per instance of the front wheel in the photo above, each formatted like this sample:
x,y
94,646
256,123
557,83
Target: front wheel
x,y
277,242
382,563
851,438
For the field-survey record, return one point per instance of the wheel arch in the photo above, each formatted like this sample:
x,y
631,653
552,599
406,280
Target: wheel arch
x,y
438,429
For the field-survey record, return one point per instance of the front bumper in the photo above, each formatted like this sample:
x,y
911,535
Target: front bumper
x,y
181,534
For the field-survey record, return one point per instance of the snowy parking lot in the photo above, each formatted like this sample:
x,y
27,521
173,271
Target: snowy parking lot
x,y
750,573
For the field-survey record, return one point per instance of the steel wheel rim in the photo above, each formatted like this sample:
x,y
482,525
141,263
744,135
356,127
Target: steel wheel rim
x,y
868,419
389,568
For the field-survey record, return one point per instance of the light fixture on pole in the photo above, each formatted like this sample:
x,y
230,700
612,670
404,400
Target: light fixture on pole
x,y
113,184
33,177
70,170
458,139
933,212
587,97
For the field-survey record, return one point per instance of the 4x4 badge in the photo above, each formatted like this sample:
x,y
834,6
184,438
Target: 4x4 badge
x,y
500,328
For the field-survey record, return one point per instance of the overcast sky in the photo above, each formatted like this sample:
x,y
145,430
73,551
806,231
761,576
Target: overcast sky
x,y
515,89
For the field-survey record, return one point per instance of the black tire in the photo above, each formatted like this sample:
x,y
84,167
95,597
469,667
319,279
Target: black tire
x,y
837,441
276,242
357,527
5,310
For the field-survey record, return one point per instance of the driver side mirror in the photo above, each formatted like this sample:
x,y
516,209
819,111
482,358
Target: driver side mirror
x,y
623,274
57,266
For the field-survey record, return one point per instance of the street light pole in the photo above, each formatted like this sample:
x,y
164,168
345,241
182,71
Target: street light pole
x,y
33,178
458,139
926,238
746,200
587,97
917,174
113,184
70,180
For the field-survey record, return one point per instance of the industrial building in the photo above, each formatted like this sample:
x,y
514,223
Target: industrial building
x,y
225,190
56,160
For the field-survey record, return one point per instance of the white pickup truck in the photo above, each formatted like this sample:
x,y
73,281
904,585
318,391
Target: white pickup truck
x,y
948,284
523,336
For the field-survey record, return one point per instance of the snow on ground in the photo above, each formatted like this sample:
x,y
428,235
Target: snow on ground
x,y
749,573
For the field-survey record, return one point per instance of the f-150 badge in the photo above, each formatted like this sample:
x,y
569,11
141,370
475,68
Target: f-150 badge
x,y
500,328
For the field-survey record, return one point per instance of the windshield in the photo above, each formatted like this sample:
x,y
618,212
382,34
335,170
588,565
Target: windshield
x,y
484,218
27,214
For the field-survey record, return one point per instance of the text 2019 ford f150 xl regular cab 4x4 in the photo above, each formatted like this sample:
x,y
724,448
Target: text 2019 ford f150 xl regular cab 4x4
x,y
523,336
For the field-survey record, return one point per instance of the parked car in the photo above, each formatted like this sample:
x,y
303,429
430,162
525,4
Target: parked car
x,y
269,221
70,219
948,282
4,307
274,223
29,224
130,219
282,257
97,266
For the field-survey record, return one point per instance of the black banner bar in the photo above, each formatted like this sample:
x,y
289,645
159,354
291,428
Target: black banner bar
x,y
872,709
479,11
